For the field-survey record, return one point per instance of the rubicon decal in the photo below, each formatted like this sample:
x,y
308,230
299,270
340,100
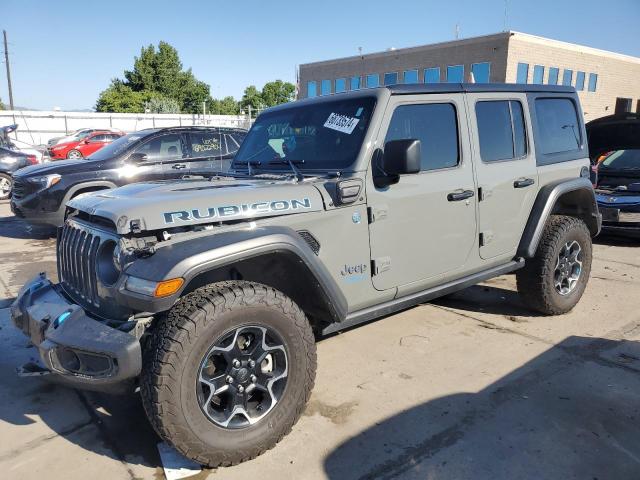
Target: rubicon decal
x,y
236,211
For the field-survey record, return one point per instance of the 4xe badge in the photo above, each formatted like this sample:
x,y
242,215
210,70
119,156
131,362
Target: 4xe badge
x,y
354,273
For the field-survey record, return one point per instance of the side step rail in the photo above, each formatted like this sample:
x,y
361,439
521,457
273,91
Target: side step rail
x,y
397,304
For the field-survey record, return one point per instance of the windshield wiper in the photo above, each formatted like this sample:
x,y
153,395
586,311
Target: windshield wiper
x,y
292,164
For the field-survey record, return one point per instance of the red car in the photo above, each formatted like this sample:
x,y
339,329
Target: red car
x,y
85,147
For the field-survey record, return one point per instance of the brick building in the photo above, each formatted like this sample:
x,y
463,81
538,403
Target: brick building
x,y
607,82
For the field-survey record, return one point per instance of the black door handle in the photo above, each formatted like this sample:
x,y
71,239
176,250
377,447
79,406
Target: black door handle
x,y
523,182
179,166
459,195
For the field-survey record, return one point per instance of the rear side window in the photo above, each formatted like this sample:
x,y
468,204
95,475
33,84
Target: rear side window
x,y
435,125
165,146
207,144
501,130
558,125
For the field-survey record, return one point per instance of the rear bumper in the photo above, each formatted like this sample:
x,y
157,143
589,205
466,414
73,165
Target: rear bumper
x,y
80,351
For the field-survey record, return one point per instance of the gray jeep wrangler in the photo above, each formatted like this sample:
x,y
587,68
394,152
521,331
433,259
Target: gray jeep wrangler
x,y
208,293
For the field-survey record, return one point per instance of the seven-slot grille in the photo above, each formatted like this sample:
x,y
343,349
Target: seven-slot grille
x,y
77,254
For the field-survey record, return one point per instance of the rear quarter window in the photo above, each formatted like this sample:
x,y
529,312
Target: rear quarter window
x,y
558,124
559,130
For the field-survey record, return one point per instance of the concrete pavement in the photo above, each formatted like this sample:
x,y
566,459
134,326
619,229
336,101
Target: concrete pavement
x,y
473,386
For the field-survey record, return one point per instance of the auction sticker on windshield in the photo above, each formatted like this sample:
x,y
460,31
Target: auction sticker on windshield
x,y
341,123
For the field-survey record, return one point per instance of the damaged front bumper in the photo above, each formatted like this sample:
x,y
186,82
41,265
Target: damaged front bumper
x,y
77,349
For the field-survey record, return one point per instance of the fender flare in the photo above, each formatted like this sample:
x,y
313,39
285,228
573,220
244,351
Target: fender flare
x,y
546,204
190,258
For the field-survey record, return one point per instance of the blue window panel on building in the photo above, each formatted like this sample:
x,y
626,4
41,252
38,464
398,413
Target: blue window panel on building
x,y
325,87
455,73
522,73
593,82
355,83
553,76
312,89
410,76
391,78
567,77
538,74
481,72
373,80
580,81
341,85
432,75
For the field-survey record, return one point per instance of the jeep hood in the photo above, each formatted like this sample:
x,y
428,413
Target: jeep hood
x,y
614,132
162,205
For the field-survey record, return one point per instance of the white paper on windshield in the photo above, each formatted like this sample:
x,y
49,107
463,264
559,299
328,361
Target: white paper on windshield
x,y
341,123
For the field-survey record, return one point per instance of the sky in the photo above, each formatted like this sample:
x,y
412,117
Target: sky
x,y
64,53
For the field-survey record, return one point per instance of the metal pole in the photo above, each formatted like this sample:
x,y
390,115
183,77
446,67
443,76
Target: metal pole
x,y
6,61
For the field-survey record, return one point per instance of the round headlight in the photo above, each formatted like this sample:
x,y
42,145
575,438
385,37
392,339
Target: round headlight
x,y
105,263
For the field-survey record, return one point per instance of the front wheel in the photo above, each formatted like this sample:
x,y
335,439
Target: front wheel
x,y
6,184
228,372
74,154
554,280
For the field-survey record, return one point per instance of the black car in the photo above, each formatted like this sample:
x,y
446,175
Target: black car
x,y
41,192
614,147
10,162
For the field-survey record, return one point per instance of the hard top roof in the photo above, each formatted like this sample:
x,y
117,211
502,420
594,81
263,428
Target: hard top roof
x,y
417,88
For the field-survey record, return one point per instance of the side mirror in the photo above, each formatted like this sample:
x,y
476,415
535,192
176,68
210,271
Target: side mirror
x,y
138,157
400,157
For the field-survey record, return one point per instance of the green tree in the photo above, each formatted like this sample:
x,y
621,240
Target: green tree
x,y
226,106
251,98
120,97
160,104
275,93
156,72
2,107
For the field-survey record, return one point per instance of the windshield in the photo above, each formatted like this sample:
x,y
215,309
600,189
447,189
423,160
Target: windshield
x,y
622,160
323,136
117,146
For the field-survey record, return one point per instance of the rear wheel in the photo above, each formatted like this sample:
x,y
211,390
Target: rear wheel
x,y
228,372
6,183
554,280
74,154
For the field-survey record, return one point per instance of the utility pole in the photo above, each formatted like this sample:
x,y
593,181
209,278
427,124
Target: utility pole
x,y
6,60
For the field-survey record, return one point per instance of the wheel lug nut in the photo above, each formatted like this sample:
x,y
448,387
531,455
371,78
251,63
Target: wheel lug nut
x,y
253,379
240,388
236,363
229,379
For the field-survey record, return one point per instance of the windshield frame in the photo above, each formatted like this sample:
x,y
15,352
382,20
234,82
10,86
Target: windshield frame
x,y
379,96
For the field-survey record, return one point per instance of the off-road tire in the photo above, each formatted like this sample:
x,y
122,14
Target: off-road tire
x,y
536,280
173,354
6,178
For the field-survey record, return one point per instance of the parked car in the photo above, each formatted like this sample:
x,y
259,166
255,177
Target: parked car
x,y
40,193
12,144
614,145
77,135
76,149
10,162
208,295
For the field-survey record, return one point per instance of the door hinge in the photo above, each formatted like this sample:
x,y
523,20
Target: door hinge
x,y
380,265
486,237
377,213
